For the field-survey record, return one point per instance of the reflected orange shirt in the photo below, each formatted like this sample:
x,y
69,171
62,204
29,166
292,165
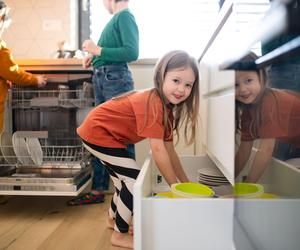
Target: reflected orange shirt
x,y
280,118
9,71
121,121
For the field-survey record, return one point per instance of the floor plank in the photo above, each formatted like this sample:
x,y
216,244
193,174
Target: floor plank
x,y
48,223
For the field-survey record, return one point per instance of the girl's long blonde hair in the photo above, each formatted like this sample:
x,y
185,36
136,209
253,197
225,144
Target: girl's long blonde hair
x,y
186,112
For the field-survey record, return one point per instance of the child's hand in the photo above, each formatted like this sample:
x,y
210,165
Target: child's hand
x,y
87,60
42,80
90,47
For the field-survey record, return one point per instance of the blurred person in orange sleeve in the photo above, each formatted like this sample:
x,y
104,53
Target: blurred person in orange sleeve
x,y
10,73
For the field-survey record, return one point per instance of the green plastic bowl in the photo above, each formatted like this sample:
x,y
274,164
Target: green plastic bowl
x,y
248,190
191,190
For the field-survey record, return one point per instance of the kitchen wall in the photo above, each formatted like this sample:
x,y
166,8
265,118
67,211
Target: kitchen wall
x,y
38,25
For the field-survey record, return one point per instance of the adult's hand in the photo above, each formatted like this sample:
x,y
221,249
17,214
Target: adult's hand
x,y
90,47
86,61
42,80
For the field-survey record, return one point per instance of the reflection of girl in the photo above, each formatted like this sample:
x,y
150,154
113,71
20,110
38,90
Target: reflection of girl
x,y
265,113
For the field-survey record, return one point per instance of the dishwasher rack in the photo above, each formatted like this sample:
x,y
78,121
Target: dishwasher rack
x,y
58,153
49,116
62,97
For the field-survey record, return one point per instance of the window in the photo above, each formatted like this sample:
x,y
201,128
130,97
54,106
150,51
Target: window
x,y
165,25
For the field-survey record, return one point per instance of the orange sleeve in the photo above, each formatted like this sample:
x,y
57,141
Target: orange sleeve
x,y
10,71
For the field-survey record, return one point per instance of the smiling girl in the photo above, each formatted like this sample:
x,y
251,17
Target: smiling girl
x,y
137,115
263,113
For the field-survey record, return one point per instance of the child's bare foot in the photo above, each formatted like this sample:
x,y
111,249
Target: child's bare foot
x,y
122,240
111,224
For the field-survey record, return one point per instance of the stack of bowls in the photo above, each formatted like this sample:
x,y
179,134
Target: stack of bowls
x,y
191,190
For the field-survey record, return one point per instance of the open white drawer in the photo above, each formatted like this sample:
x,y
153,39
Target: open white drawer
x,y
162,223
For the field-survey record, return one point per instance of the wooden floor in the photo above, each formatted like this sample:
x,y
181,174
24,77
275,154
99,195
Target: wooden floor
x,y
28,223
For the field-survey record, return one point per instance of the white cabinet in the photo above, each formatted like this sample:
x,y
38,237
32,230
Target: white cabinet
x,y
193,224
217,100
220,142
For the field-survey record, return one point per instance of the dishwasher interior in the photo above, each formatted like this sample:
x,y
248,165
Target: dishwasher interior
x,y
41,153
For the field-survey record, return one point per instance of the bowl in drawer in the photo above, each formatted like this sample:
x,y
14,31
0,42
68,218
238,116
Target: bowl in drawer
x,y
164,195
191,190
247,190
268,196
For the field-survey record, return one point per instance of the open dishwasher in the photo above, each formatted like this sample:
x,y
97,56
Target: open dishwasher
x,y
41,153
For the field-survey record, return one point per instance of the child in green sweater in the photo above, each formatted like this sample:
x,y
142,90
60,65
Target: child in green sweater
x,y
117,46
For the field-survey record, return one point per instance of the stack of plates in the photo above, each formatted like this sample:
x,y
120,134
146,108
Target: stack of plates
x,y
15,148
21,150
6,147
211,176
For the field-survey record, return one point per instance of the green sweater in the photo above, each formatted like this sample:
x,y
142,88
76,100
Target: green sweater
x,y
119,40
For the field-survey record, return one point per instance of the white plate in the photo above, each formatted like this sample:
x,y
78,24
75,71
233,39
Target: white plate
x,y
211,177
7,148
212,171
20,148
211,183
35,150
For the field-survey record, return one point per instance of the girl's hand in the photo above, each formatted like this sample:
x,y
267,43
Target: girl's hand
x,y
90,47
42,80
162,160
87,60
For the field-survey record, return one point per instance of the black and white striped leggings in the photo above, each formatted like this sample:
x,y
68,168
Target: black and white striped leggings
x,y
123,171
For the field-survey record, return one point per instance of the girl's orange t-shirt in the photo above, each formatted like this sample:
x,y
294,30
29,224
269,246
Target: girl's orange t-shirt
x,y
280,118
121,121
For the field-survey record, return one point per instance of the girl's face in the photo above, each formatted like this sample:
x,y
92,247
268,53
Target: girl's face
x,y
247,86
178,84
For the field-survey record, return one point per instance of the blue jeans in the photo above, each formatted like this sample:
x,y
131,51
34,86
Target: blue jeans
x,y
109,81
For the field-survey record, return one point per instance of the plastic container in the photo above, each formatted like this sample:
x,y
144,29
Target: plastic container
x,y
268,196
191,190
164,195
247,190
